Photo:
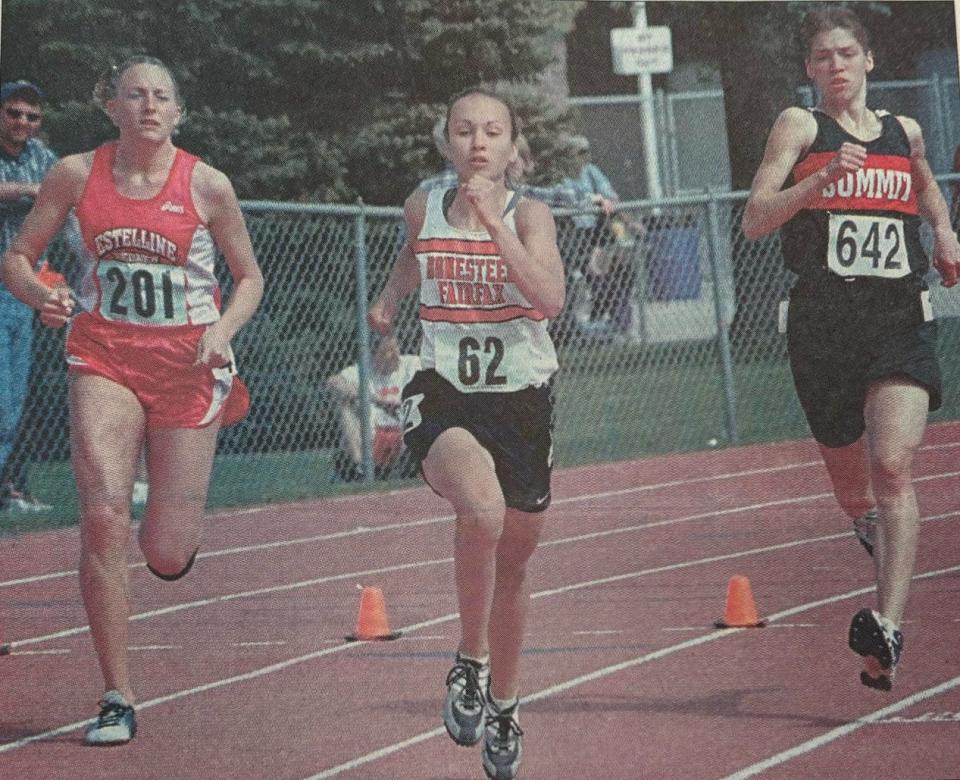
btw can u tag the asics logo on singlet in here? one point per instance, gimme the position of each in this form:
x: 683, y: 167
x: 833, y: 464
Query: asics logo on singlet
x: 174, y: 208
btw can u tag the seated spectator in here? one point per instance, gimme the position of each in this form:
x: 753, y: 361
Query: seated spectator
x: 389, y: 372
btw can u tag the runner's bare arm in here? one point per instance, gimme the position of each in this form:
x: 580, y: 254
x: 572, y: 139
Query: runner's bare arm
x: 218, y: 206
x: 405, y: 275
x: 932, y: 206
x: 537, y: 270
x: 769, y: 206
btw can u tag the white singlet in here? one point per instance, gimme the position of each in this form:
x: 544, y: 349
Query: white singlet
x: 479, y: 331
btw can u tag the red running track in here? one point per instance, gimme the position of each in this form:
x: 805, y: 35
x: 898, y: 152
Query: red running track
x: 242, y: 671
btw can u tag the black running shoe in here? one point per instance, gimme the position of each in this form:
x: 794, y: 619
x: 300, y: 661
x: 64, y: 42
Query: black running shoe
x: 874, y: 638
x: 865, y: 529
x: 116, y: 724
x: 463, y: 707
x: 502, y: 742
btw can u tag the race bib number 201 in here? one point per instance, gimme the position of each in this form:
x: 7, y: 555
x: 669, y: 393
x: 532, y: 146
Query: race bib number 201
x: 145, y: 293
x: 861, y: 245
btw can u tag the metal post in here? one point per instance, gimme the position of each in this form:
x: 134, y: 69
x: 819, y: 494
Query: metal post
x: 938, y: 102
x: 674, y: 155
x: 645, y: 88
x: 363, y: 337
x: 723, y: 340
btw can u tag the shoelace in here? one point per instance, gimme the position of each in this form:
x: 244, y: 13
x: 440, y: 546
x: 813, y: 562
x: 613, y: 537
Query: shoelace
x: 111, y: 713
x: 506, y: 727
x: 469, y: 676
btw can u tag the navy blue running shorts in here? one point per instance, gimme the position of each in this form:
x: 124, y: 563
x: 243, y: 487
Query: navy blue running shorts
x: 835, y: 357
x: 515, y: 428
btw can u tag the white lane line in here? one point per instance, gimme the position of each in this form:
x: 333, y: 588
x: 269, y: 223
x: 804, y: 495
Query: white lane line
x: 155, y: 647
x: 618, y: 667
x: 399, y: 567
x: 277, y: 667
x: 40, y: 652
x: 363, y: 529
x: 235, y: 596
x: 927, y: 717
x: 440, y: 561
x: 269, y: 643
x: 842, y: 731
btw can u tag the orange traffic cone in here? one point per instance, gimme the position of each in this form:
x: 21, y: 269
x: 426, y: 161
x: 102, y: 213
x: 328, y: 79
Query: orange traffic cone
x: 741, y: 611
x: 372, y: 620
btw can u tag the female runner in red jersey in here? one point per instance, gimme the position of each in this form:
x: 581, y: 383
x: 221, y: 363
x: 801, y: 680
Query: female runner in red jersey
x: 148, y: 352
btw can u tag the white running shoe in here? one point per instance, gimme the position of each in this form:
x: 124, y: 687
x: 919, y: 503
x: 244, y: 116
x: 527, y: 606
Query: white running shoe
x: 116, y: 724
x: 140, y: 491
x: 463, y: 707
x: 502, y: 742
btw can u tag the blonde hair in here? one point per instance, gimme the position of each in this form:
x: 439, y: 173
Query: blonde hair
x: 520, y: 168
x: 105, y: 89
x: 514, y: 120
x: 439, y: 137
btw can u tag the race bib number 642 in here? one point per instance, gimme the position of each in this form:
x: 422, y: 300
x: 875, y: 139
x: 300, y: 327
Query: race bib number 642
x: 861, y: 245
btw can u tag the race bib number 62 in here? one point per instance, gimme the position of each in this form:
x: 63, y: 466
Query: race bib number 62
x: 861, y: 245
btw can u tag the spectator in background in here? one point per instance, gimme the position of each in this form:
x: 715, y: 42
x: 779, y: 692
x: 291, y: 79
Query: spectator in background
x: 592, y: 232
x: 562, y: 195
x: 24, y: 161
x: 594, y: 182
x: 565, y: 194
x: 390, y: 371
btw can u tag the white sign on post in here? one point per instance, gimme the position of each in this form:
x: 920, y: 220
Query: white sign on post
x: 641, y: 50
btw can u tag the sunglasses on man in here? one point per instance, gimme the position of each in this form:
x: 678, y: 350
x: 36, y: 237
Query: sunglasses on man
x: 30, y: 116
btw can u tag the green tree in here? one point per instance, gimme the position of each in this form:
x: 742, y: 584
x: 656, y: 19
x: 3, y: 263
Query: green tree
x: 299, y: 99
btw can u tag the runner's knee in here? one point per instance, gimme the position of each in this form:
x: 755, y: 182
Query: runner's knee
x: 105, y: 526
x: 481, y: 520
x: 171, y: 567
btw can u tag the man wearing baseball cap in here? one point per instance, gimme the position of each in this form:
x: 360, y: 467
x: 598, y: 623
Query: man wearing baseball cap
x: 24, y: 161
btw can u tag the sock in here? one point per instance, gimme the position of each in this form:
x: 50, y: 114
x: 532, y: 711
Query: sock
x: 502, y: 705
x: 485, y: 661
x: 888, y: 624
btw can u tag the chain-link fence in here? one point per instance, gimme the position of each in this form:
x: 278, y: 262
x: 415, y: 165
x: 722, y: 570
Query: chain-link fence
x: 668, y: 342
x: 691, y: 131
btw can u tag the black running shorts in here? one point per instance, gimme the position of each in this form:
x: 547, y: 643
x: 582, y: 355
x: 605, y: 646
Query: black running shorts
x: 515, y: 428
x: 838, y: 349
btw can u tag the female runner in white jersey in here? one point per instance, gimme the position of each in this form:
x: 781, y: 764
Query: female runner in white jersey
x: 478, y: 416
x: 147, y: 351
x: 848, y: 186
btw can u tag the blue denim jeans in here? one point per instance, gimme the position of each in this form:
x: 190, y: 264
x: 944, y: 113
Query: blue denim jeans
x: 16, y: 336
